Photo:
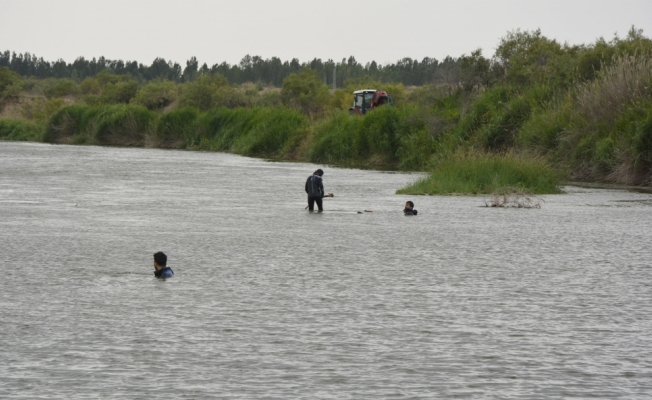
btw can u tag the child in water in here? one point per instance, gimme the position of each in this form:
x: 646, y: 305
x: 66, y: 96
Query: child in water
x: 409, y: 209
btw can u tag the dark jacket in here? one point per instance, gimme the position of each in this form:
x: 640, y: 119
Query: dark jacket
x: 315, y: 186
x: 409, y: 212
x: 165, y: 272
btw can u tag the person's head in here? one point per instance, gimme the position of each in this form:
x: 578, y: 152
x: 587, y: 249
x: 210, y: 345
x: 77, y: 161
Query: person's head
x: 409, y: 205
x: 160, y: 259
x: 319, y: 172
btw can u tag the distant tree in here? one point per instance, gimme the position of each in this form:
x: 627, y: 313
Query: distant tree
x: 160, y: 69
x: 108, y: 77
x: 523, y: 56
x: 10, y: 83
x: 7, y: 78
x: 90, y: 86
x: 306, y: 92
x: 156, y: 95
x: 120, y: 92
x: 474, y: 70
x: 62, y: 88
x: 270, y: 71
x: 201, y: 94
x: 190, y: 72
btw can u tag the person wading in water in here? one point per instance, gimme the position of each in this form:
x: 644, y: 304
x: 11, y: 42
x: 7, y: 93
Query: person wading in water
x: 315, y: 190
x: 409, y: 209
x: 161, y: 270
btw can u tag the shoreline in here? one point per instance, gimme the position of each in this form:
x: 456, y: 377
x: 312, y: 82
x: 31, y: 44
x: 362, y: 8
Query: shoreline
x: 582, y: 184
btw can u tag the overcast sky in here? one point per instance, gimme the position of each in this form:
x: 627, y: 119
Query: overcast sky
x: 381, y: 30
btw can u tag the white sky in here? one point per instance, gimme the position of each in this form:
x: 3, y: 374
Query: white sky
x: 381, y: 30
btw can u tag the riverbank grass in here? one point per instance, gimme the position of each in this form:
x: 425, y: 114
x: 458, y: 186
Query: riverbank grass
x: 15, y: 129
x: 486, y: 173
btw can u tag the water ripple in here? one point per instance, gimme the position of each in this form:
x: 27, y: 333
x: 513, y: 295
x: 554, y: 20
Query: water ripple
x: 272, y: 302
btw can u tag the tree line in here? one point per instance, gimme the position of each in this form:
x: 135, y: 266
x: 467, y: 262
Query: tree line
x: 521, y: 57
x: 271, y: 71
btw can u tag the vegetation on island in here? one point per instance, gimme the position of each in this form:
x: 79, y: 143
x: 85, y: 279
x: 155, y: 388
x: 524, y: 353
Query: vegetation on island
x: 534, y: 114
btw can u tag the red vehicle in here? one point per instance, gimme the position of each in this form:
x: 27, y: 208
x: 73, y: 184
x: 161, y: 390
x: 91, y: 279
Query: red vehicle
x: 368, y: 99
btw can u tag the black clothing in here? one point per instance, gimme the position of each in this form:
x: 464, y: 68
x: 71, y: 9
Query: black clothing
x: 315, y: 190
x: 315, y: 186
x: 407, y: 211
x: 165, y: 272
x: 311, y: 203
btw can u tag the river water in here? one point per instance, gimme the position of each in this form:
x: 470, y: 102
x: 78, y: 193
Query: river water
x: 270, y: 301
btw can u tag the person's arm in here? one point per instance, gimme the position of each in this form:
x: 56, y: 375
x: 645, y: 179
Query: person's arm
x: 307, y: 182
x: 321, y: 187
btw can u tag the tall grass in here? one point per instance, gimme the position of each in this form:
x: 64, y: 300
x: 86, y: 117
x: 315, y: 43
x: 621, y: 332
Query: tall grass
x: 486, y: 173
x: 483, y: 109
x: 124, y: 125
x: 252, y: 132
x: 385, y: 137
x: 544, y: 130
x: 604, y: 136
x: 626, y: 80
x: 269, y: 131
x: 495, y: 117
x: 117, y: 125
x: 177, y: 129
x: 335, y: 140
x: 14, y: 129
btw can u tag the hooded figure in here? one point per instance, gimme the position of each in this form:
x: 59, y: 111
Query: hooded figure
x: 315, y: 190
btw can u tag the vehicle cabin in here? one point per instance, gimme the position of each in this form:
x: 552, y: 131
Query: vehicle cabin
x: 368, y: 99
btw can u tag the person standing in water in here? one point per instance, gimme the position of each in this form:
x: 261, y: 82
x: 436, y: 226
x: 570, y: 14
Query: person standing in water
x: 315, y: 190
x: 409, y: 209
x: 161, y: 270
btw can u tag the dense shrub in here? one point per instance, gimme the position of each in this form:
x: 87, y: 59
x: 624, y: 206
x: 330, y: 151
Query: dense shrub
x: 120, y: 92
x: 334, y: 141
x: 643, y: 142
x: 65, y: 123
x: 500, y: 132
x: 306, y: 92
x: 40, y: 109
x: 156, y: 95
x: 255, y: 132
x: 90, y: 86
x: 123, y: 125
x: 61, y: 88
x: 177, y: 128
x: 543, y: 131
x: 268, y: 98
x: 202, y: 93
x: 10, y: 83
x: 117, y: 125
x: 385, y: 136
x: 12, y: 129
x: 484, y: 109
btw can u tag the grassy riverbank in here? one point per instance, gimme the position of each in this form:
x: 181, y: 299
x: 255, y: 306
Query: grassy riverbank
x: 16, y: 129
x: 535, y: 113
x: 388, y: 138
x: 486, y: 173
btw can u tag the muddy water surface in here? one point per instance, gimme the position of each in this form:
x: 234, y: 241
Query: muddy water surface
x: 270, y: 301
